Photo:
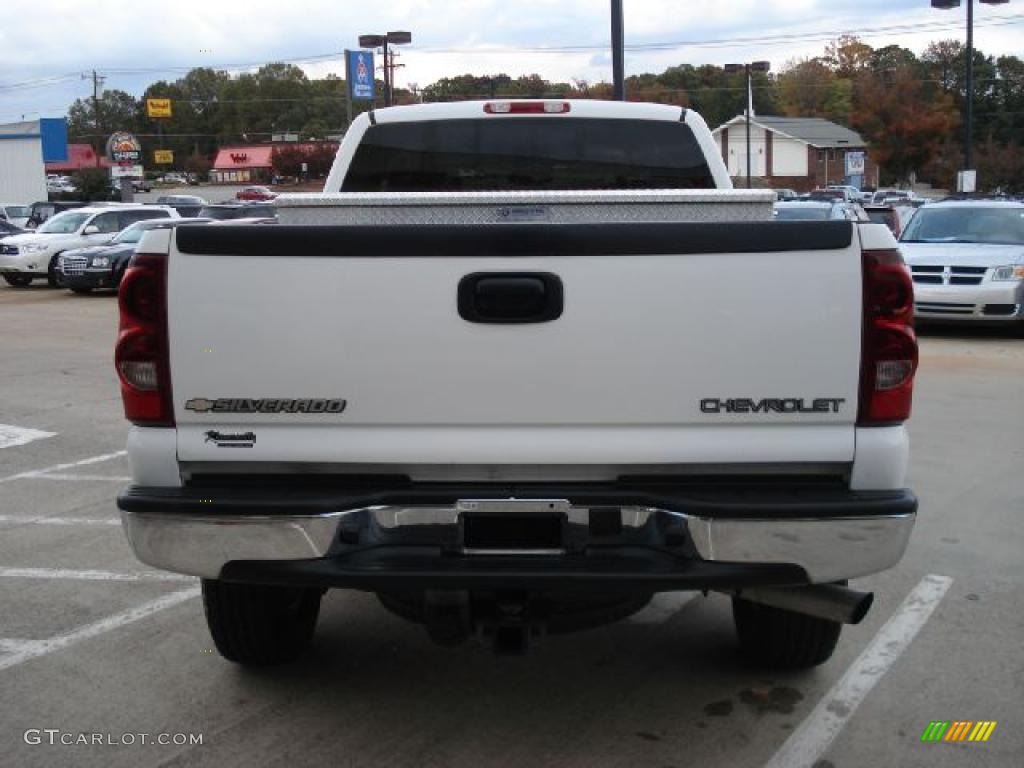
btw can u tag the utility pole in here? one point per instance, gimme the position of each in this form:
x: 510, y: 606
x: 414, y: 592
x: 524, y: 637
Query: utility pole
x: 618, y: 53
x: 97, y: 81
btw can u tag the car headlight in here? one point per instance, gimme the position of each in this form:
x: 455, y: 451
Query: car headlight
x: 101, y: 261
x: 1010, y: 272
x: 32, y: 248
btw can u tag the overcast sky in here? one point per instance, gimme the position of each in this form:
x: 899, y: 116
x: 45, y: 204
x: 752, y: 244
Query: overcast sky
x: 46, y: 47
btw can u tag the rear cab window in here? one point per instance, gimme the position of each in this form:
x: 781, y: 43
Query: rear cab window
x: 525, y: 153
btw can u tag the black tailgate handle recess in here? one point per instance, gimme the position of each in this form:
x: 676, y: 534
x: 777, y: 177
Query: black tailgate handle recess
x: 510, y: 297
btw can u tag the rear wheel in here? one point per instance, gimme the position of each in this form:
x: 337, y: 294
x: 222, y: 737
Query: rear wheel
x: 17, y: 280
x: 780, y: 639
x: 256, y: 625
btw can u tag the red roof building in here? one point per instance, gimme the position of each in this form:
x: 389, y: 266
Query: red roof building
x: 242, y: 164
x: 245, y: 164
x: 79, y: 156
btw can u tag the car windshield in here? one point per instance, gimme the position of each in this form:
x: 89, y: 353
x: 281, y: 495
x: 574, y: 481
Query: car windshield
x: 133, y: 233
x: 802, y: 213
x: 64, y: 223
x: 17, y: 211
x: 218, y: 213
x: 967, y: 224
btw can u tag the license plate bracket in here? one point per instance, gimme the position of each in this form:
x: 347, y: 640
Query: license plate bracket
x: 513, y: 526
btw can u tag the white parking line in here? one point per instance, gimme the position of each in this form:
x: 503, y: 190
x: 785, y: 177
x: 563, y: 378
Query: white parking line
x: 70, y: 575
x: 58, y: 467
x: 35, y: 649
x: 16, y: 645
x: 11, y: 435
x: 16, y: 520
x: 73, y: 478
x: 814, y: 735
x: 663, y: 606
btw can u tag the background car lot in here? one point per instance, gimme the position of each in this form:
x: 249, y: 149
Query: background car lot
x: 126, y: 650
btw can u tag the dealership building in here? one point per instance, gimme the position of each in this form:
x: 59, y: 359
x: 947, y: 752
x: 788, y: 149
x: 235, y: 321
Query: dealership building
x: 799, y: 153
x: 25, y: 148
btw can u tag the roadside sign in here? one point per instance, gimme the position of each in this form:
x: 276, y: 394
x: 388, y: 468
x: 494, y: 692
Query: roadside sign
x: 966, y: 181
x: 126, y: 171
x: 854, y: 163
x: 163, y: 156
x: 124, y: 149
x: 359, y: 72
x: 158, y: 107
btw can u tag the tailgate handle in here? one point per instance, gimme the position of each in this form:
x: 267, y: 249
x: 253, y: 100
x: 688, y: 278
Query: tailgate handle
x: 510, y: 297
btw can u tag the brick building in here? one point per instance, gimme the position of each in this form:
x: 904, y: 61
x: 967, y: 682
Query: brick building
x: 798, y: 153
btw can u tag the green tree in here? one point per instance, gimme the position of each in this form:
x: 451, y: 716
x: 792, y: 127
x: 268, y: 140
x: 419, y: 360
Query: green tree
x: 903, y: 128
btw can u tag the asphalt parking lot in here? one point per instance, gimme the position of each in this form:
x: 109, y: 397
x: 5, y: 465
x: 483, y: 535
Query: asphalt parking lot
x: 92, y: 642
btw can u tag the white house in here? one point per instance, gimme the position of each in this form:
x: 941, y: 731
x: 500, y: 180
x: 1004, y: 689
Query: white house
x: 796, y: 152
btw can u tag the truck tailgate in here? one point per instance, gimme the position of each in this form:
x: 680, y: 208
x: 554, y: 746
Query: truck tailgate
x: 682, y: 342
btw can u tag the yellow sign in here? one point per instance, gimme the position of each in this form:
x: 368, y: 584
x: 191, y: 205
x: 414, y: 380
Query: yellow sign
x: 158, y: 107
x: 163, y: 156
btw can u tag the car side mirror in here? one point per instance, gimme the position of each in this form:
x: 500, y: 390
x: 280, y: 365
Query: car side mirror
x: 92, y: 229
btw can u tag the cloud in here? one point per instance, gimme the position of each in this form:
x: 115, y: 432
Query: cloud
x: 163, y: 40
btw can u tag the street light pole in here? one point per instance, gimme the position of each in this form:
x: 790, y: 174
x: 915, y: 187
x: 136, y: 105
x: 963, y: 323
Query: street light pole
x: 746, y: 67
x: 618, y: 53
x: 946, y: 5
x: 756, y: 66
x: 382, y: 41
x: 968, y: 132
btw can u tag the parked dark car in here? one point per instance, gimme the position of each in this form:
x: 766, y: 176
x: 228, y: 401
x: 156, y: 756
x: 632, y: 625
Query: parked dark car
x: 222, y: 211
x: 44, y: 209
x: 102, y: 266
x: 185, y: 205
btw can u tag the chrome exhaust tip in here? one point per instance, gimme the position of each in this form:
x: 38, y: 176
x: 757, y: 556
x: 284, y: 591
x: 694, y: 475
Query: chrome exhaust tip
x: 833, y: 602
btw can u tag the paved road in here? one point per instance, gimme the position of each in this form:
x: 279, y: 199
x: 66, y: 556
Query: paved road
x: 91, y: 641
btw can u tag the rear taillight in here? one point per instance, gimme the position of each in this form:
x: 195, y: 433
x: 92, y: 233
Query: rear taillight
x: 527, y: 107
x: 889, y: 346
x: 142, y: 356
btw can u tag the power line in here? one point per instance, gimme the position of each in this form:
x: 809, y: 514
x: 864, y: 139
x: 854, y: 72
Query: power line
x: 779, y: 39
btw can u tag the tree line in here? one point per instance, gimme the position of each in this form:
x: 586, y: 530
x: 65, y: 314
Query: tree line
x: 907, y: 107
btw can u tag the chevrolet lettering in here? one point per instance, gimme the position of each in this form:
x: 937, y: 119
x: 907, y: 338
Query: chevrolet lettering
x: 772, y: 405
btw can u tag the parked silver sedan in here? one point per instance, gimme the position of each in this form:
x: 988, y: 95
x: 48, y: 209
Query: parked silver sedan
x: 967, y: 260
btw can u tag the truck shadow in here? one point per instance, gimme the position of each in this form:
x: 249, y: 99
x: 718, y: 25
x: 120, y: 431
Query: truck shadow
x: 624, y: 692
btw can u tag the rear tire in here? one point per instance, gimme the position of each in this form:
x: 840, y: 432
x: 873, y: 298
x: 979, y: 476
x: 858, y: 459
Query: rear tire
x: 17, y: 280
x: 255, y: 625
x: 779, y: 639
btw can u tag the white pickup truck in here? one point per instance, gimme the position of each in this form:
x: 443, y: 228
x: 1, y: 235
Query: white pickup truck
x: 522, y: 365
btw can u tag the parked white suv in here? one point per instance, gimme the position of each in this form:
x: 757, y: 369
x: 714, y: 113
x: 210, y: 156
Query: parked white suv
x: 26, y: 257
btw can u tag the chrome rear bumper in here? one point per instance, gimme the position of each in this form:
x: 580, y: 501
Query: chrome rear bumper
x: 826, y: 548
